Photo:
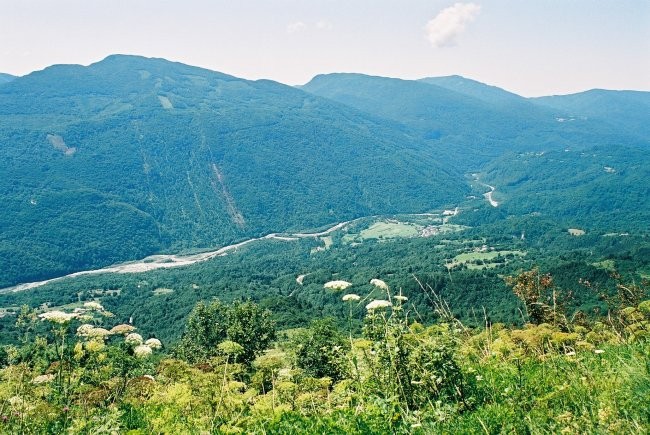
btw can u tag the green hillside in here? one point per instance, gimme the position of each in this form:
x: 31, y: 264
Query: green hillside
x: 481, y: 91
x: 595, y: 188
x: 132, y: 156
x: 468, y: 123
x: 626, y: 110
x: 6, y: 78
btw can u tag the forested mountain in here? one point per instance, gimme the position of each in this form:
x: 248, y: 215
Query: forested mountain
x: 131, y: 156
x: 466, y: 121
x: 595, y: 188
x: 449, y: 258
x: 490, y: 94
x: 6, y: 78
x: 625, y: 110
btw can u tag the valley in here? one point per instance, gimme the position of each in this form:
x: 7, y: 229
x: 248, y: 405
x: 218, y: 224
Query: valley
x: 443, y: 240
x: 379, y: 228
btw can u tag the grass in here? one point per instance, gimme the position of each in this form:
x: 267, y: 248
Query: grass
x: 384, y: 230
x: 486, y: 257
x: 389, y: 230
x: 608, y: 265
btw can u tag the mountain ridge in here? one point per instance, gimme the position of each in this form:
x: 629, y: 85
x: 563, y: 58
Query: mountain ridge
x: 132, y: 156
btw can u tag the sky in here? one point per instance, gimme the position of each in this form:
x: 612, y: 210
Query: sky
x: 530, y: 47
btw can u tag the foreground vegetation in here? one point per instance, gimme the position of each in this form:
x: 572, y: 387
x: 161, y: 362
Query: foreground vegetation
x: 231, y: 372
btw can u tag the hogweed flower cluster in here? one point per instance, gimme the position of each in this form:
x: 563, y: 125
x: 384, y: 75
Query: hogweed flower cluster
x: 142, y: 351
x: 153, y: 343
x: 93, y: 306
x: 122, y: 329
x: 133, y: 339
x: 351, y: 297
x: 378, y: 303
x: 379, y: 284
x: 57, y: 316
x: 43, y: 379
x: 337, y: 285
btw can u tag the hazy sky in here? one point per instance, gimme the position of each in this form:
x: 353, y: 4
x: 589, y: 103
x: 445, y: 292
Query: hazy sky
x: 531, y: 47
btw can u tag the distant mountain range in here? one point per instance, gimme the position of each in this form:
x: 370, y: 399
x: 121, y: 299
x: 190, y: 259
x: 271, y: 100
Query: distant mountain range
x: 132, y: 156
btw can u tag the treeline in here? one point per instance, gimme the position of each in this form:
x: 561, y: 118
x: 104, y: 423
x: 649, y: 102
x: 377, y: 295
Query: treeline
x: 267, y: 272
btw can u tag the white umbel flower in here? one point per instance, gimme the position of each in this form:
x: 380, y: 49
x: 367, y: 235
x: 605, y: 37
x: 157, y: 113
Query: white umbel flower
x: 133, y: 339
x: 84, y: 330
x: 401, y: 298
x: 153, y: 343
x: 99, y: 333
x: 42, y: 379
x: 57, y: 316
x: 378, y: 304
x: 142, y: 351
x: 351, y: 297
x: 92, y: 305
x: 337, y: 285
x: 379, y: 284
x: 122, y: 329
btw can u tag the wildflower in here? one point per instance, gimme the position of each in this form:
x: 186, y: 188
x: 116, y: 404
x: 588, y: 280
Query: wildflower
x: 57, y: 316
x: 16, y: 401
x: 94, y: 345
x: 153, y: 343
x: 337, y: 285
x: 133, y: 339
x: 351, y: 297
x: 401, y: 298
x: 599, y: 351
x: 42, y: 379
x: 92, y: 305
x: 378, y: 304
x: 572, y: 353
x: 379, y: 284
x: 142, y: 351
x: 99, y: 333
x: 84, y: 330
x: 78, y: 351
x: 122, y: 329
x: 479, y: 378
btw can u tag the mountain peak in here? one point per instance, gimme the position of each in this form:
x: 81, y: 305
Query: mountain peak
x: 475, y: 89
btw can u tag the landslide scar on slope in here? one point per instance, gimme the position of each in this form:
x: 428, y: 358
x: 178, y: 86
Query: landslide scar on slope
x: 234, y: 213
x: 57, y: 142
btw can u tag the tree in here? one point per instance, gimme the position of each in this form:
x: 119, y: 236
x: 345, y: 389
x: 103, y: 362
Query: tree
x: 208, y: 325
x: 321, y: 350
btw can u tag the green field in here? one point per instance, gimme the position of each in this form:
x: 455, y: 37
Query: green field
x: 389, y: 230
x: 487, y: 258
x: 384, y: 230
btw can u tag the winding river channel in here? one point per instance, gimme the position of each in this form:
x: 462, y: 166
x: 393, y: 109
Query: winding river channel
x: 165, y: 261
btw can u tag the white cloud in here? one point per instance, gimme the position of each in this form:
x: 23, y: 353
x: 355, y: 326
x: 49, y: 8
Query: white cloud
x: 298, y: 26
x: 450, y: 23
x: 323, y: 25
